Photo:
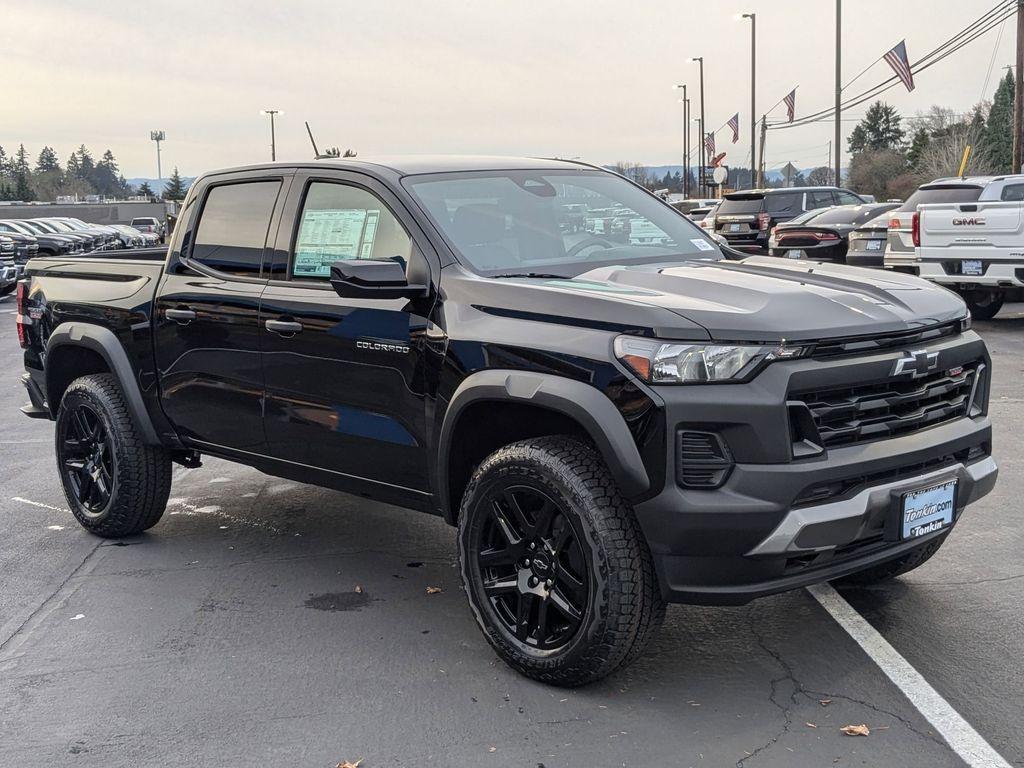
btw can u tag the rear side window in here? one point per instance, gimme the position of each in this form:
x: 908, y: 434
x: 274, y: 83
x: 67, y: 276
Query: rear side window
x: 233, y: 227
x: 784, y: 202
x: 735, y: 205
x: 820, y: 199
x: 953, y: 194
x: 1012, y: 193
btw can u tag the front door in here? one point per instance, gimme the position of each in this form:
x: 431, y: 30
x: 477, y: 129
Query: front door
x: 347, y: 380
x: 207, y: 318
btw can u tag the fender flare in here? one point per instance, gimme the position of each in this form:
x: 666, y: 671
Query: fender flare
x: 588, y: 406
x: 103, y: 341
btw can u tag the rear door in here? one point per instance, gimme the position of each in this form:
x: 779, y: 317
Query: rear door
x: 207, y: 334
x: 349, y: 381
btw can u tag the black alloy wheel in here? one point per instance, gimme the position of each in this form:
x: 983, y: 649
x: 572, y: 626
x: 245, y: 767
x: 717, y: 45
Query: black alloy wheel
x: 88, y: 459
x: 534, y: 570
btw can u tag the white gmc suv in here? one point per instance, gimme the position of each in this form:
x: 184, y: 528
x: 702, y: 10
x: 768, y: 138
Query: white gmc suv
x: 966, y: 234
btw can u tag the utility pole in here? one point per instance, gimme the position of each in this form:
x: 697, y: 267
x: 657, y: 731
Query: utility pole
x: 753, y: 86
x: 829, y: 156
x: 686, y: 142
x: 837, y: 144
x: 1018, y: 90
x: 273, y: 142
x: 760, y: 162
x: 703, y: 163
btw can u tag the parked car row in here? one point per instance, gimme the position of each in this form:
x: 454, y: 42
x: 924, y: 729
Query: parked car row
x: 964, y: 233
x: 21, y: 239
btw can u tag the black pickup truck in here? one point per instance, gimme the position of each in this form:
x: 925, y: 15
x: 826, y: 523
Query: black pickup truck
x: 614, y: 412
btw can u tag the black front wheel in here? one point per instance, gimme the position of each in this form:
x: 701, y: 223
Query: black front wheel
x: 983, y: 305
x: 115, y: 484
x: 555, y: 566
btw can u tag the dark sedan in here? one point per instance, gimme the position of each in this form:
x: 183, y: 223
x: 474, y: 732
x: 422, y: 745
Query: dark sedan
x: 867, y: 243
x: 823, y: 234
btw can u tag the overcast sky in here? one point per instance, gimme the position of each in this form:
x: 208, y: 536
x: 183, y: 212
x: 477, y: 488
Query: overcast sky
x: 587, y: 78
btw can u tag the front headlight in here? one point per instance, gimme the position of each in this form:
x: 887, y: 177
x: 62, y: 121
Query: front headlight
x: 680, y: 362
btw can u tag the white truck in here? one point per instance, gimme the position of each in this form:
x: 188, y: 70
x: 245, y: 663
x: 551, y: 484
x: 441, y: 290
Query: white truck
x: 966, y: 234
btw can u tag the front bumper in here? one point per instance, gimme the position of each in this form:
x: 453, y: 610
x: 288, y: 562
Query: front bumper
x: 761, y: 532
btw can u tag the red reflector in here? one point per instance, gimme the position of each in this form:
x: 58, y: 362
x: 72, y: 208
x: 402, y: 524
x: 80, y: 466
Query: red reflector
x: 763, y: 219
x: 894, y: 223
x: 915, y: 229
x: 20, y: 321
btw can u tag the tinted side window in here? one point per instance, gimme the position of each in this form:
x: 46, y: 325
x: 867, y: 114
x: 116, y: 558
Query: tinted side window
x: 785, y: 202
x: 340, y: 221
x: 233, y: 227
x: 821, y: 199
x: 848, y: 198
x: 1012, y: 193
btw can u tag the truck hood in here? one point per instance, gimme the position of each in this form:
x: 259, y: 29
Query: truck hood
x: 769, y: 299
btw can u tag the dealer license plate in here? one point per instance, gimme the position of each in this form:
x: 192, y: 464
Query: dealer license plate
x: 927, y: 510
x: 873, y: 245
x: 734, y: 227
x: 795, y: 254
x: 970, y: 267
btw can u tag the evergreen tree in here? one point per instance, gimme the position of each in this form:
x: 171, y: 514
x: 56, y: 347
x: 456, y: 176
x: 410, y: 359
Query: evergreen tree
x: 6, y: 191
x: 47, y: 161
x: 917, y: 146
x: 880, y: 129
x: 998, y: 135
x: 145, y: 189
x: 105, y: 175
x: 86, y: 165
x: 22, y: 175
x: 175, y: 188
x: 73, y: 169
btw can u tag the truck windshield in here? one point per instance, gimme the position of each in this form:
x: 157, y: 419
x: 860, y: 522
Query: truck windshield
x: 554, y: 222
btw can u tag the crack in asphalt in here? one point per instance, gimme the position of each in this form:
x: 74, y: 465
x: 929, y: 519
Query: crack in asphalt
x: 56, y: 591
x: 798, y: 689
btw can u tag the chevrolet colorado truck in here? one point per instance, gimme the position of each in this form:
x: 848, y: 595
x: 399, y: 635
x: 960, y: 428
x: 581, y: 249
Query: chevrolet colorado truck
x: 611, y: 424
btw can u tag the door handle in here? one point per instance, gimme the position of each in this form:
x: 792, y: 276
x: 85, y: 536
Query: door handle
x: 180, y: 316
x: 283, y: 327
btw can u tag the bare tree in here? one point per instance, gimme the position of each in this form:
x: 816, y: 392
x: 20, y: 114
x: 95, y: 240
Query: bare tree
x: 943, y: 154
x: 820, y: 176
x: 635, y: 172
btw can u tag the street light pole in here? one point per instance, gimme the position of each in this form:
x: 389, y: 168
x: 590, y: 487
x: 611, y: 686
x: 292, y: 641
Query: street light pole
x: 686, y: 142
x: 703, y: 163
x: 837, y: 146
x: 753, y: 89
x: 273, y: 143
x: 1018, y: 90
x: 158, y: 136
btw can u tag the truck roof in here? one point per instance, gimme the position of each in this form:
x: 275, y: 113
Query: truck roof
x: 980, y: 181
x: 405, y: 165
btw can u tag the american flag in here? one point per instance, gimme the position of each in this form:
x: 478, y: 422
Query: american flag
x: 734, y: 123
x: 791, y: 104
x: 709, y: 145
x: 897, y: 58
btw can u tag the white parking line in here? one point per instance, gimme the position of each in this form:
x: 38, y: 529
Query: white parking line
x: 958, y: 733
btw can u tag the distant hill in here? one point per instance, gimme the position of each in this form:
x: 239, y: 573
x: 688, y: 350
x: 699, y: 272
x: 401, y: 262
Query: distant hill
x: 660, y: 170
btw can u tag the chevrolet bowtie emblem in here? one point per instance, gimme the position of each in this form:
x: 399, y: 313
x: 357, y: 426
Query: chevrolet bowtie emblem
x: 916, y: 364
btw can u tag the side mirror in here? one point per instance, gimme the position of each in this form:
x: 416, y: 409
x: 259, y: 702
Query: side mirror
x: 372, y: 279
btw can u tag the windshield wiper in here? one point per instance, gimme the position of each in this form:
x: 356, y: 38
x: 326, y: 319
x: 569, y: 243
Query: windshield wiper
x: 534, y: 274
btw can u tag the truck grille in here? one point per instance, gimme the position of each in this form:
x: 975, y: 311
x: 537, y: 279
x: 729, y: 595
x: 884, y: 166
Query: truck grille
x: 857, y: 414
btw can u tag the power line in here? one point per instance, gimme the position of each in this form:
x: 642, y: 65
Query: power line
x: 983, y: 24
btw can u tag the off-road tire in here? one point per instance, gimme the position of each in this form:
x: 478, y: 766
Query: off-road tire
x: 625, y: 605
x: 893, y: 568
x: 983, y: 305
x: 141, y: 473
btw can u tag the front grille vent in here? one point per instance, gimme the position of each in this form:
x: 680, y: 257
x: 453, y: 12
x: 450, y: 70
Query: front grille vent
x: 702, y: 459
x: 864, y: 412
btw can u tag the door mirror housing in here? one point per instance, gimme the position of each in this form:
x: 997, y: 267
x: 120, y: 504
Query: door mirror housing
x: 372, y: 279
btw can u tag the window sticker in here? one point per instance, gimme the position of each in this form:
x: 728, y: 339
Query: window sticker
x: 328, y: 235
x: 702, y: 245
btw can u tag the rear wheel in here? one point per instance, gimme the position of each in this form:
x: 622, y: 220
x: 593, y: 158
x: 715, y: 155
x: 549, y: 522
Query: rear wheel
x: 555, y: 566
x: 114, y: 483
x: 8, y: 289
x: 984, y: 305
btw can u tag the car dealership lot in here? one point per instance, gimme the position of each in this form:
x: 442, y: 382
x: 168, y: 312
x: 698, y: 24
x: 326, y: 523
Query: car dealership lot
x: 265, y: 622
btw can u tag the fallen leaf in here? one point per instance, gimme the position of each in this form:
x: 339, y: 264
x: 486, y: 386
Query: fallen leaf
x: 77, y: 616
x: 492, y: 749
x: 810, y: 725
x: 825, y: 702
x: 347, y: 764
x: 359, y: 589
x: 856, y: 730
x: 434, y: 591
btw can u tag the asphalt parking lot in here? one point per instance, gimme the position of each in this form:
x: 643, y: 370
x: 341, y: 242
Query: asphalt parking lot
x: 265, y: 623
